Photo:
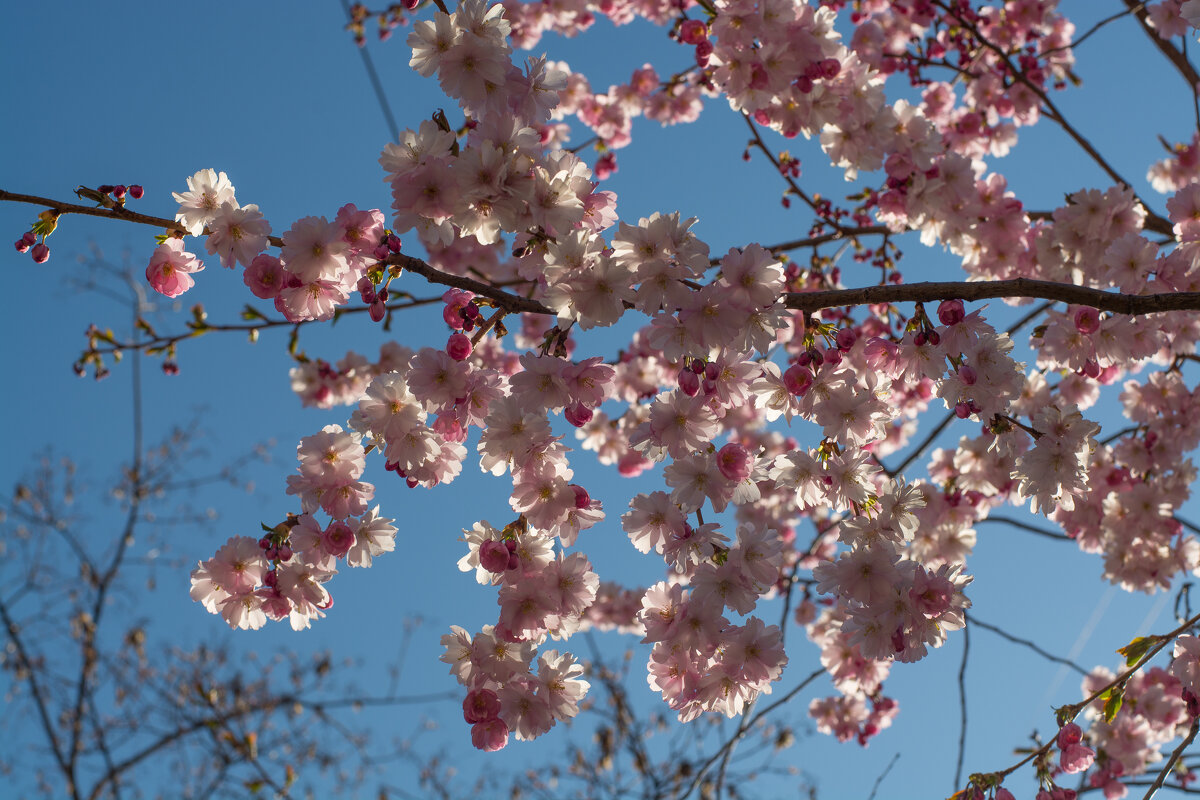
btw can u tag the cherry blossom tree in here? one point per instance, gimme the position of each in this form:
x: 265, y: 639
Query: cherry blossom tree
x: 760, y: 397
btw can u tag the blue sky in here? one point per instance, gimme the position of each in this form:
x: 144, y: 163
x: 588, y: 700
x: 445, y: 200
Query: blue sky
x: 150, y: 93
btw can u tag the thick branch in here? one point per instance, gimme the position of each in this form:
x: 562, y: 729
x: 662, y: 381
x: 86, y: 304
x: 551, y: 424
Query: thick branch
x: 985, y: 290
x: 800, y: 301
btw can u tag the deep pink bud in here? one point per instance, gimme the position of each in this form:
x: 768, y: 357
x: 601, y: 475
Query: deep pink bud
x: 735, y: 462
x: 712, y: 371
x: 962, y: 410
x: 21, y: 245
x: 480, y: 705
x: 606, y: 165
x: 934, y: 338
x: 797, y: 379
x: 264, y: 543
x: 378, y: 310
x: 459, y: 346
x: 689, y: 382
x: 951, y: 312
x: 118, y: 191
x: 968, y: 375
x: 470, y: 311
x: 136, y: 191
x: 393, y: 243
x: 1069, y: 734
x: 846, y: 338
x: 693, y: 31
x: 270, y: 578
x: 41, y: 253
x: 577, y: 414
x: 582, y: 498
x: 514, y: 561
x: 285, y: 552
x: 381, y: 251
x: 1087, y: 320
x: 29, y: 238
x: 493, y: 556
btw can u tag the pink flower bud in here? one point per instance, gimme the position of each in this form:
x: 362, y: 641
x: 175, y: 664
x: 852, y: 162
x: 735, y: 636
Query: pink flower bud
x: 962, y: 410
x: 393, y: 243
x: 493, y: 556
x: 735, y: 462
x: 21, y: 245
x: 459, y: 346
x: 118, y: 191
x: 480, y: 705
x: 582, y: 498
x: 136, y: 191
x: 689, y: 382
x: 1087, y: 320
x: 951, y: 312
x: 846, y: 338
x: 712, y: 371
x: 41, y: 253
x: 693, y: 31
x: 378, y: 310
x: 491, y: 735
x: 968, y: 375
x: 1069, y: 734
x: 797, y: 379
x: 577, y: 414
x: 606, y: 165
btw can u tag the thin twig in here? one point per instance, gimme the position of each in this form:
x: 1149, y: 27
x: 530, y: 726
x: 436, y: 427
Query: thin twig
x: 1003, y: 634
x: 1166, y: 770
x: 962, y: 701
x: 1025, y: 526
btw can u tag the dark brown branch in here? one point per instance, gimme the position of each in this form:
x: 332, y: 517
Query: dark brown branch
x: 985, y: 290
x: 800, y: 301
x: 509, y: 302
x: 1173, y: 53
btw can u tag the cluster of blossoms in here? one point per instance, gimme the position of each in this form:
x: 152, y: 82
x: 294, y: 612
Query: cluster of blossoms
x: 722, y: 353
x: 282, y: 575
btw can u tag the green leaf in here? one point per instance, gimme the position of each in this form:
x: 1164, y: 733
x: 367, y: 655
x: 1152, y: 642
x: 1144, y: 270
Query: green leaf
x: 1135, y: 650
x: 1113, y: 704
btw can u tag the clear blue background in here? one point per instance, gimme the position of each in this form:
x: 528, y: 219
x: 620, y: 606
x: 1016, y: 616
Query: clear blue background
x: 275, y: 95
